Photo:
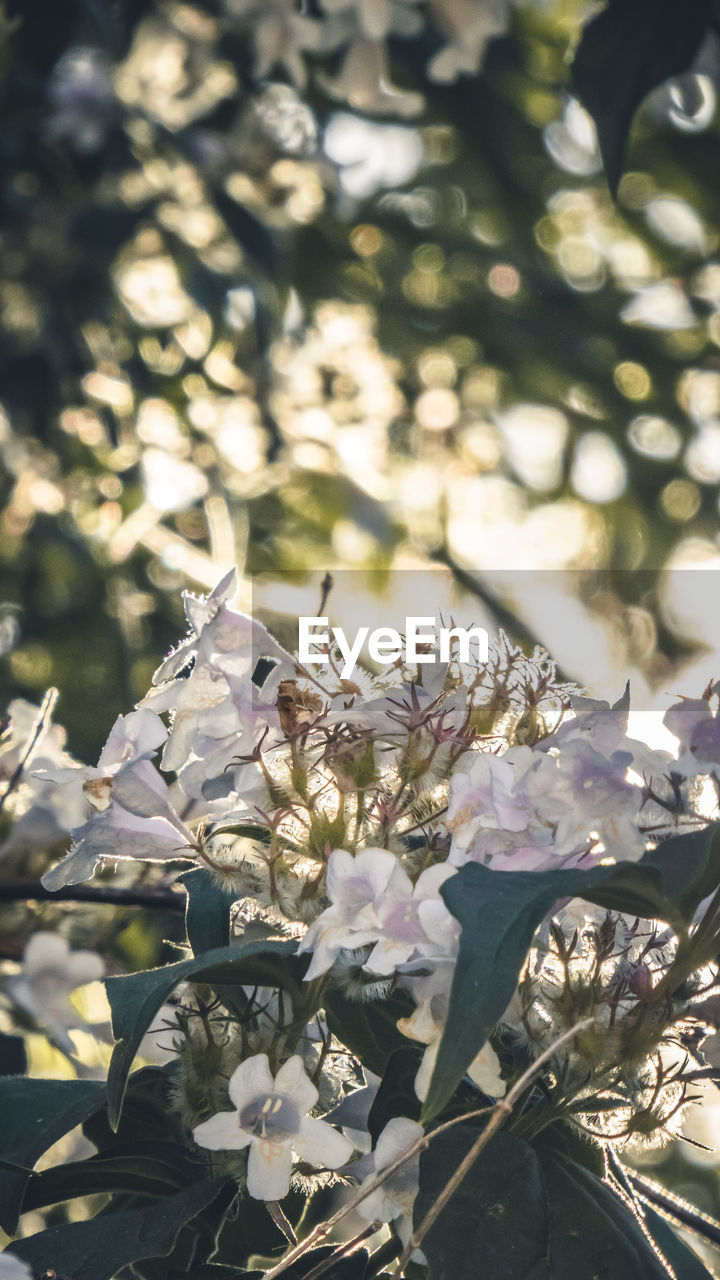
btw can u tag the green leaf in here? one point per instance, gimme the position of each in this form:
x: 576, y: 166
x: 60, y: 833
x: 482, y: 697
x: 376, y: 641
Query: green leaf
x: 499, y: 912
x: 668, y: 882
x: 369, y: 1028
x: 207, y: 915
x: 252, y: 234
x: 628, y: 49
x: 148, y: 1170
x: 684, y: 1262
x: 146, y: 1117
x: 99, y: 1248
x: 135, y: 998
x: 13, y: 1058
x: 214, y: 1271
x: 35, y: 1113
x: 528, y: 1214
x: 396, y: 1095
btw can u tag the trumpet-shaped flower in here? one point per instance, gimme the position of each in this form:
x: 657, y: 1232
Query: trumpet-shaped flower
x: 270, y: 1117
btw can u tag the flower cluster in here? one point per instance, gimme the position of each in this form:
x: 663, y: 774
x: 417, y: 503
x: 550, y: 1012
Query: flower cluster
x: 335, y: 813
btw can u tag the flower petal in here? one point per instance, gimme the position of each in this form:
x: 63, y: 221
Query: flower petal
x: 321, y: 1145
x: 45, y: 950
x: 251, y: 1079
x: 221, y: 1133
x: 269, y: 1169
x: 292, y: 1082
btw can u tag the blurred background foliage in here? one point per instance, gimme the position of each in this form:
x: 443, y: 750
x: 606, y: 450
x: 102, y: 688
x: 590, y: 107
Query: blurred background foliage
x: 341, y: 284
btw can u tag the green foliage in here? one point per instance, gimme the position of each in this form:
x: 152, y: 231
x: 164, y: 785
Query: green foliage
x: 135, y: 998
x: 629, y: 48
x: 35, y: 1113
x: 500, y: 910
x: 528, y: 1214
x: 207, y: 915
x: 396, y: 1095
x: 368, y: 1028
x: 99, y: 1248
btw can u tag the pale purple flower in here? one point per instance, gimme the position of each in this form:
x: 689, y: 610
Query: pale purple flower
x: 426, y: 1025
x: 12, y: 1268
x: 134, y: 812
x: 218, y: 713
x: 41, y: 812
x: 374, y: 902
x: 693, y: 722
x: 270, y: 1117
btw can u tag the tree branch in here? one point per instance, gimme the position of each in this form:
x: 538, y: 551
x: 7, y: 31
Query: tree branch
x: 30, y: 891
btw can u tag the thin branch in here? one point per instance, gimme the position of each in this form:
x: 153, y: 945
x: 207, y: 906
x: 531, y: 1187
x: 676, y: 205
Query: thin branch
x: 44, y: 716
x: 30, y: 891
x: 343, y: 1250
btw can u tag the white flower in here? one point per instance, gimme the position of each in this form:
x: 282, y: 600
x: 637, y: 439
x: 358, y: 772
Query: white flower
x: 134, y: 814
x: 693, y: 722
x: 468, y: 28
x: 395, y: 1198
x: 50, y: 971
x: 426, y: 1024
x: 374, y: 901
x: 12, y: 1268
x: 270, y: 1117
x: 41, y: 812
x: 218, y: 712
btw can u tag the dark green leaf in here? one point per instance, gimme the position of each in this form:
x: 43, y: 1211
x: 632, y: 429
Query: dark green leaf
x: 207, y: 916
x: 669, y: 882
x: 628, y: 49
x: 13, y: 1059
x: 499, y: 912
x: 146, y: 1116
x: 135, y: 998
x: 99, y: 1248
x: 528, y: 1214
x: 150, y: 1171
x: 684, y: 1262
x: 396, y: 1095
x: 251, y: 233
x: 214, y: 1271
x: 369, y: 1028
x: 35, y: 1113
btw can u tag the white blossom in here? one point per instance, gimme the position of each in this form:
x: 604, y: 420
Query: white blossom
x: 134, y: 815
x: 374, y: 902
x: 393, y: 1201
x: 270, y: 1117
x: 218, y: 714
